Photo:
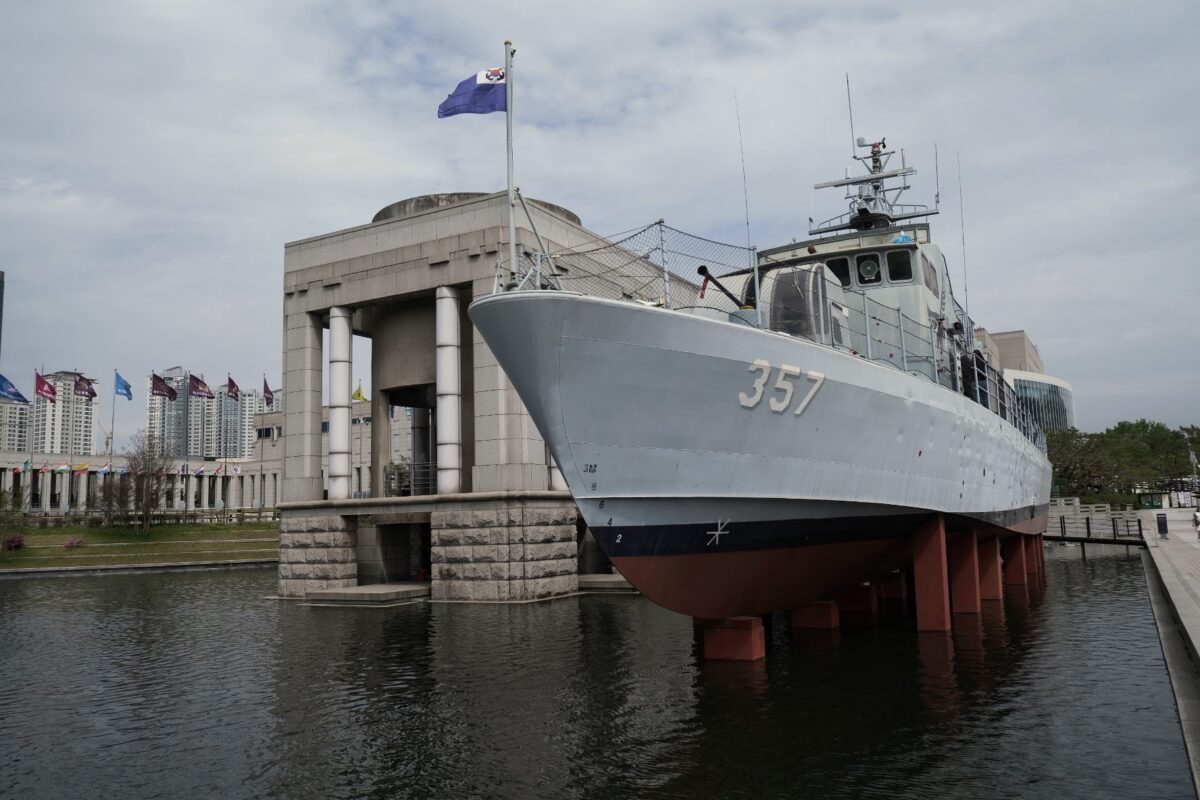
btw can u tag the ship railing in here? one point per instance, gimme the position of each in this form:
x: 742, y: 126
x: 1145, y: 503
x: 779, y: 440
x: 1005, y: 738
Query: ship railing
x: 657, y: 265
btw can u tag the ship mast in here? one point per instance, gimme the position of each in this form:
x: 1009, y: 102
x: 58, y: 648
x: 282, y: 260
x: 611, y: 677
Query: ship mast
x: 873, y: 203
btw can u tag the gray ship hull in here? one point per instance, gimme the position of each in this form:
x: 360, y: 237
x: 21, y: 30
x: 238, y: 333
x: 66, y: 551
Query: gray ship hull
x: 728, y: 470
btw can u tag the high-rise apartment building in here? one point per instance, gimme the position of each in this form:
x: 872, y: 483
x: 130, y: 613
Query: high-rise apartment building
x: 14, y: 426
x: 66, y: 425
x: 202, y: 427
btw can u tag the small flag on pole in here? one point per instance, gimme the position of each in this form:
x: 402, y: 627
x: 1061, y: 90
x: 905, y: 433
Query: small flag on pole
x: 84, y: 388
x: 198, y: 388
x: 482, y: 93
x: 107, y: 468
x: 219, y: 469
x: 200, y: 470
x: 81, y: 469
x: 160, y: 388
x: 358, y: 396
x: 121, y: 386
x: 183, y: 469
x: 268, y: 395
x: 44, y: 388
x: 231, y: 389
x: 45, y: 467
x: 237, y: 469
x: 63, y: 468
x: 9, y: 392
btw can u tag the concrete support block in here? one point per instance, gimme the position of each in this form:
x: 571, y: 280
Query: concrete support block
x: 932, y: 577
x: 821, y: 615
x: 316, y: 552
x: 735, y: 639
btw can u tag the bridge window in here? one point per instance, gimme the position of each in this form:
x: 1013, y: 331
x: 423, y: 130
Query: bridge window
x: 868, y: 269
x: 841, y: 268
x: 899, y: 263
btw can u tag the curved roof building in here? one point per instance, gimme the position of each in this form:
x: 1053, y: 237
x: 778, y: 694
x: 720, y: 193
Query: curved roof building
x: 1051, y: 400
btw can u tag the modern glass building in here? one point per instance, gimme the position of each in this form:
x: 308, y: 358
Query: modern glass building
x: 1050, y: 400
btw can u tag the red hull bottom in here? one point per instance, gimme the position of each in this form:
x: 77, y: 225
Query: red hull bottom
x: 754, y: 582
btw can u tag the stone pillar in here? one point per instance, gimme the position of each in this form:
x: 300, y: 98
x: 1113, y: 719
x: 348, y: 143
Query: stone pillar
x: 6, y: 480
x: 302, y: 407
x: 235, y: 491
x: 316, y: 552
x: 963, y: 556
x: 81, y: 492
x: 45, y: 478
x: 189, y: 487
x: 991, y: 577
x: 449, y: 392
x: 219, y: 487
x: 381, y: 434
x: 521, y: 549
x: 932, y: 579
x: 203, y: 491
x: 340, y: 389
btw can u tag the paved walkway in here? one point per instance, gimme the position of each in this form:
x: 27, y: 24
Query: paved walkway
x: 1177, y: 611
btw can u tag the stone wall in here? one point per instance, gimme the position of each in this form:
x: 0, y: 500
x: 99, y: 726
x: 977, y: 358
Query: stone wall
x: 522, y: 550
x: 316, y: 552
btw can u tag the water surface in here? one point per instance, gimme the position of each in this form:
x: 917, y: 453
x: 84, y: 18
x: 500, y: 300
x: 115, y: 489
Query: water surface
x: 170, y: 685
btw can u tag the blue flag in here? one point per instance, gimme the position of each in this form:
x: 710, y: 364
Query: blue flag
x: 121, y: 386
x: 482, y: 93
x: 9, y: 392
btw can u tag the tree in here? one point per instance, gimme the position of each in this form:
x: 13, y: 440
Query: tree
x: 148, y: 468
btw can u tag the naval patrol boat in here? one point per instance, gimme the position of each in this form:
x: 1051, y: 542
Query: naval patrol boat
x: 752, y: 441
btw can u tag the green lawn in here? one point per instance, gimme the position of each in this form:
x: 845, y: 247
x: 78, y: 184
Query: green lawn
x: 165, y: 544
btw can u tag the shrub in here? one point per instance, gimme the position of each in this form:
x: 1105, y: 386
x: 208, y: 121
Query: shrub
x: 72, y: 543
x: 14, y: 542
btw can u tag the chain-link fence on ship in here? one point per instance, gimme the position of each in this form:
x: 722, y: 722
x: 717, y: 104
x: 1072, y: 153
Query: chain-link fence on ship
x: 658, y: 265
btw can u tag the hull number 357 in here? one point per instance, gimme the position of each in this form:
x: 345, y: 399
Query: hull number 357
x: 783, y: 385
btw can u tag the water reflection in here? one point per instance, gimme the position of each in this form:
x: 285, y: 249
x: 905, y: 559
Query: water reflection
x: 178, y: 685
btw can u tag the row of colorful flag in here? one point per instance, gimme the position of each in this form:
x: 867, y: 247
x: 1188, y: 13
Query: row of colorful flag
x: 84, y: 387
x: 79, y: 469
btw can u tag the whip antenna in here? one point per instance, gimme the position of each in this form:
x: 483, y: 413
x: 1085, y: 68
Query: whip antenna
x: 850, y: 108
x: 962, y: 229
x: 746, y: 203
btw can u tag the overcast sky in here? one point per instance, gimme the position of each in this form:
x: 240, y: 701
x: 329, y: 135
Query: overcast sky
x: 156, y: 156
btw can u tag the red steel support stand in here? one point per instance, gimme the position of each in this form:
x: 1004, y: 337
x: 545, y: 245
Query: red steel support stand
x: 823, y: 615
x: 963, y: 553
x: 734, y: 639
x: 1032, y: 567
x: 1014, y: 561
x: 932, y: 577
x: 991, y: 578
x: 893, y: 592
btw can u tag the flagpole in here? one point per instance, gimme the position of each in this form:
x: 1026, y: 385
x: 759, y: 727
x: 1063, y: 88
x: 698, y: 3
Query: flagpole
x: 508, y: 115
x: 112, y: 423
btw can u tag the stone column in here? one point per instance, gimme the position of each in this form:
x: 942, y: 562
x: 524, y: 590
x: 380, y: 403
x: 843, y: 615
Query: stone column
x: 340, y: 378
x: 449, y: 392
x: 219, y: 489
x: 302, y: 407
x: 45, y: 490
x: 81, y: 492
x: 6, y: 479
x: 189, y: 488
x: 203, y: 491
x: 420, y: 452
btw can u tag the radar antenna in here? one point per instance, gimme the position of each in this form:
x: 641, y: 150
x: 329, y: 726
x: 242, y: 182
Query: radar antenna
x: 873, y: 203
